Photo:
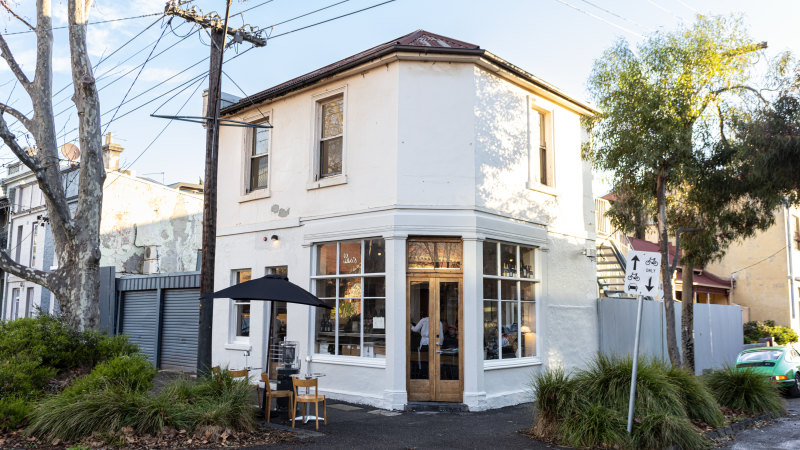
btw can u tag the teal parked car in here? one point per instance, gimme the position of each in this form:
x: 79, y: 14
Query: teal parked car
x: 780, y: 364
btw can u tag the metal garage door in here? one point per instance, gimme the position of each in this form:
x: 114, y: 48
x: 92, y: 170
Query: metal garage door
x: 181, y: 313
x: 140, y: 320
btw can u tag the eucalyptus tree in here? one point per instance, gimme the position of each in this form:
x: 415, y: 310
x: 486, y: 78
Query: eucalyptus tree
x: 665, y: 110
x: 75, y: 282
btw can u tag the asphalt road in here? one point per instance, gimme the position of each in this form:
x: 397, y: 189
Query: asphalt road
x: 784, y: 434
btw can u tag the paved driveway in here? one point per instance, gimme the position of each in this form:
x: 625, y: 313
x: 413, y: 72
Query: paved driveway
x: 354, y: 426
x: 784, y: 434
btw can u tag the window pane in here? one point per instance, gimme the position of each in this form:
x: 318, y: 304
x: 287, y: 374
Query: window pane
x: 508, y: 260
x: 326, y: 288
x: 510, y: 324
x: 374, y: 287
x: 374, y: 256
x: 526, y: 265
x: 326, y: 329
x: 330, y: 158
x: 350, y: 257
x: 489, y: 289
x: 490, y: 338
x: 241, y: 276
x: 420, y: 254
x: 528, y: 329
x: 508, y: 290
x: 375, y: 328
x: 490, y: 258
x: 277, y: 270
x: 448, y: 255
x: 326, y: 259
x: 332, y: 118
x: 349, y: 287
x: 528, y: 292
x: 243, y: 319
x: 542, y: 135
x: 543, y: 165
x: 260, y: 141
x: 350, y: 327
x: 259, y: 171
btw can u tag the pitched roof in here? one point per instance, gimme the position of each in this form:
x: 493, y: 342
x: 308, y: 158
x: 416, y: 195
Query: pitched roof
x: 418, y: 41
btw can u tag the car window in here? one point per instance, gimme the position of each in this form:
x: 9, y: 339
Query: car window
x: 760, y: 355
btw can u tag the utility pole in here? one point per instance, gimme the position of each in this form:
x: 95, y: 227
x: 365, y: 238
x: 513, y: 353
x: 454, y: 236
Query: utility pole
x: 218, y: 29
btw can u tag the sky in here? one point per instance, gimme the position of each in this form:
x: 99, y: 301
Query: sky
x: 556, y: 40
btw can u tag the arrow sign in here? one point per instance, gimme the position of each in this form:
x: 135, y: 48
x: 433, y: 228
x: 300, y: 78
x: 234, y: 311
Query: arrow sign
x: 641, y: 268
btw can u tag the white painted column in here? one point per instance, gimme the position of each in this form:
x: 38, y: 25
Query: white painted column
x: 395, y: 395
x: 472, y: 328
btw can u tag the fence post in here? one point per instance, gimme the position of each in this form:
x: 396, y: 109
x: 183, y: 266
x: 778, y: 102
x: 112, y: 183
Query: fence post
x: 108, y: 295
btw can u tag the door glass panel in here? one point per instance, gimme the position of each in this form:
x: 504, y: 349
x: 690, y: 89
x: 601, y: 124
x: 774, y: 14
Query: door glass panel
x: 420, y: 334
x: 449, y: 329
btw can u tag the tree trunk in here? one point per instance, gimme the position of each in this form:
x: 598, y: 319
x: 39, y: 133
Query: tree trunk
x: 666, y: 272
x: 687, y: 316
x: 76, y: 237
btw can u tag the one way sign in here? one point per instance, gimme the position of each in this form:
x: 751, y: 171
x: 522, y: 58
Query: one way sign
x: 643, y: 274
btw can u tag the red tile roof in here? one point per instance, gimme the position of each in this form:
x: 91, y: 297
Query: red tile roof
x: 418, y: 41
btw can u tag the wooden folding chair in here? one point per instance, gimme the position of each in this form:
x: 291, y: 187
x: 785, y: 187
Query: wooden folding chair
x: 314, y: 398
x: 273, y: 394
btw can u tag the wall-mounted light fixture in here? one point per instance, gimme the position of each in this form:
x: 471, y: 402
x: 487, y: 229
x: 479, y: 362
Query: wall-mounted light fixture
x: 274, y: 238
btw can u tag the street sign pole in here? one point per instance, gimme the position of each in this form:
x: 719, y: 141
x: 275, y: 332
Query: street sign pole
x: 635, y: 363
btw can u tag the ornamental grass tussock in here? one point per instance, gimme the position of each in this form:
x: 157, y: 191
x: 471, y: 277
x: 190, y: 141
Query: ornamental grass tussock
x: 589, y: 407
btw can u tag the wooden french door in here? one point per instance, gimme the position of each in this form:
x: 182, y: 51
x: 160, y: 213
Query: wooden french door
x: 434, y: 363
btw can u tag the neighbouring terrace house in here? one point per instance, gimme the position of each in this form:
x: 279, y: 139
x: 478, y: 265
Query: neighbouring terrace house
x: 145, y: 228
x: 435, y: 196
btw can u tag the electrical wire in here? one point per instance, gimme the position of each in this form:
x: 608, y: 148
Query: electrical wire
x: 103, y: 59
x: 633, y: 22
x: 163, y: 31
x: 308, y: 13
x: 334, y: 18
x: 88, y: 23
x: 627, y: 30
x: 759, y: 261
x: 245, y: 94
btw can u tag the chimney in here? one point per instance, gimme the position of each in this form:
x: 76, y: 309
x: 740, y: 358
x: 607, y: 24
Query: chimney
x: 111, y: 153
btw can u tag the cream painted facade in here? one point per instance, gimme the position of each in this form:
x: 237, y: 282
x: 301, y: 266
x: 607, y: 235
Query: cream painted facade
x: 766, y: 270
x: 434, y: 145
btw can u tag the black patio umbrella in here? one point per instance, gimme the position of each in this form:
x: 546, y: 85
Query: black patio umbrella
x: 270, y: 287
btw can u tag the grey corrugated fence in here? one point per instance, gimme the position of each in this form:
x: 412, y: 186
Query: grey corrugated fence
x: 717, y: 339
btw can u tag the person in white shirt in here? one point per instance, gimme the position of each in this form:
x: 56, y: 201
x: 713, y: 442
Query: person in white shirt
x: 422, y: 327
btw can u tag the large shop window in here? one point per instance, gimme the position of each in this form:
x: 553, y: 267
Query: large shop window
x: 350, y: 276
x: 509, y: 301
x: 241, y: 309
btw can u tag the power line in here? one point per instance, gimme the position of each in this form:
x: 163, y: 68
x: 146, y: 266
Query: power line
x: 617, y: 15
x: 665, y: 9
x: 308, y: 13
x: 125, y: 44
x: 334, y: 18
x: 88, y: 23
x: 687, y: 6
x: 759, y: 261
x: 628, y: 30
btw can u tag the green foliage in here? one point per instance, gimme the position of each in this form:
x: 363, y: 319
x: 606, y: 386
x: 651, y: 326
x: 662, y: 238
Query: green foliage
x: 746, y: 390
x: 660, y: 430
x: 116, y: 395
x: 33, y: 350
x: 753, y: 331
x: 590, y: 408
x: 133, y: 372
x: 14, y: 412
x: 697, y: 400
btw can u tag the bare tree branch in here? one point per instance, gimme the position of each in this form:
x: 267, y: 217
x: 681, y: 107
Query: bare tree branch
x: 12, y: 63
x: 33, y: 163
x: 37, y: 276
x: 5, y: 5
x: 22, y: 118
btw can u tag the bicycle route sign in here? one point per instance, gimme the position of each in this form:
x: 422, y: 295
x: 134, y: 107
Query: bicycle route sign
x: 643, y: 274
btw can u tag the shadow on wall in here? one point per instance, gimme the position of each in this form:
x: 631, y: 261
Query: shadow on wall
x: 163, y: 246
x: 501, y: 113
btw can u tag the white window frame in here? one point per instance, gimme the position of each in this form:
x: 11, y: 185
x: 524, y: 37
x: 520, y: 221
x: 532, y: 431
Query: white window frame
x: 233, y: 337
x: 534, y: 149
x: 32, y: 256
x: 15, y: 292
x: 315, y: 179
x: 519, y: 360
x: 245, y: 194
x: 29, y: 301
x: 361, y: 274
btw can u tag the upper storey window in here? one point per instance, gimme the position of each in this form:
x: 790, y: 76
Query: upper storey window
x: 259, y: 159
x: 331, y: 136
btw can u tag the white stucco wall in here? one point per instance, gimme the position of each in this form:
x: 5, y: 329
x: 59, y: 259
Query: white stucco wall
x: 433, y: 149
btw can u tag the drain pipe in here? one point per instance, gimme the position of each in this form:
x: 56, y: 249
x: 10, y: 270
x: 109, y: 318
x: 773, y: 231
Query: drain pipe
x: 789, y: 257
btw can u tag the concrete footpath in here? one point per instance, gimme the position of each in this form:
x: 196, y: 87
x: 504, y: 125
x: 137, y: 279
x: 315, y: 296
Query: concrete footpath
x: 356, y: 426
x: 783, y: 434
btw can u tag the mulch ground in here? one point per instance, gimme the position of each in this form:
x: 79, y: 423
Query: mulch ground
x: 210, y: 437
